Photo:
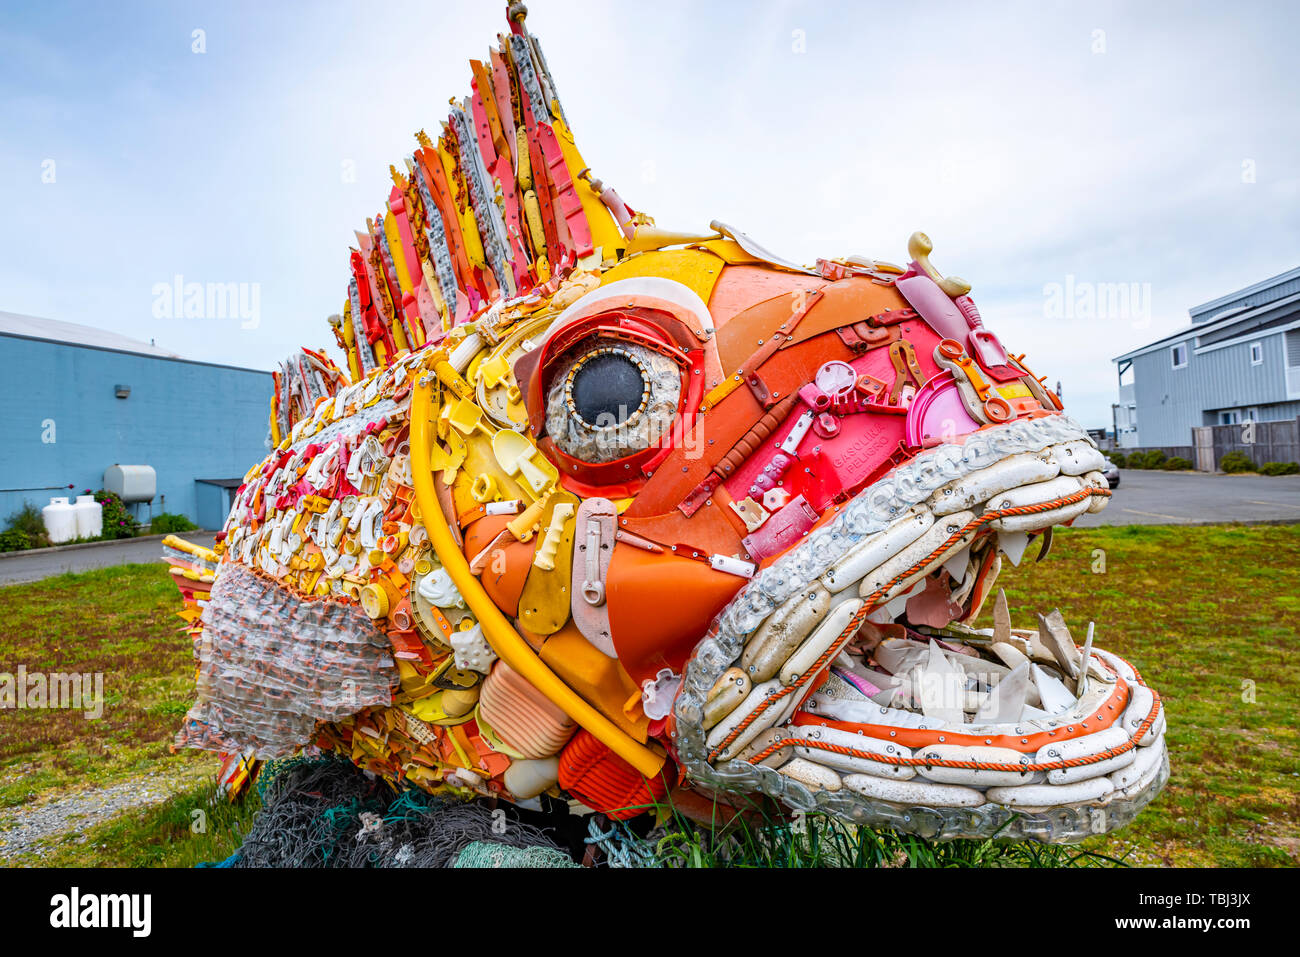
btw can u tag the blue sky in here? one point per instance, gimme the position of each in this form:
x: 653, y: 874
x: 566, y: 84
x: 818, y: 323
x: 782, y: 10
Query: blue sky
x: 1150, y: 145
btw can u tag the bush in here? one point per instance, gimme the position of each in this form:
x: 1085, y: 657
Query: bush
x: 1117, y: 458
x: 118, y: 522
x: 29, y: 521
x: 1237, y: 462
x: 14, y: 540
x: 164, y: 523
x: 1177, y: 464
x: 1151, y: 459
x: 1280, y: 468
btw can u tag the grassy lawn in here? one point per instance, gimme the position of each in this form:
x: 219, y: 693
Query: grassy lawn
x: 1210, y: 615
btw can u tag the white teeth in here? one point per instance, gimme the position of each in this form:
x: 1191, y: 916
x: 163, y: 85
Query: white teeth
x: 1055, y: 635
x: 958, y: 565
x: 1013, y: 545
x: 1011, y: 472
x: 1006, y: 701
x: 940, y: 685
x: 1055, y: 697
x: 1011, y: 656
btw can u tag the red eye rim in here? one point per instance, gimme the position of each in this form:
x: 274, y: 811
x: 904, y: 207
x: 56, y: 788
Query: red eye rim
x: 621, y: 477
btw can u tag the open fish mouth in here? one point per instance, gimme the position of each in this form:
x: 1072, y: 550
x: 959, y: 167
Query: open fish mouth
x: 844, y: 677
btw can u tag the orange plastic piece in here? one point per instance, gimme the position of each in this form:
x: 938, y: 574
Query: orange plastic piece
x: 599, y: 678
x: 602, y: 780
x: 652, y: 632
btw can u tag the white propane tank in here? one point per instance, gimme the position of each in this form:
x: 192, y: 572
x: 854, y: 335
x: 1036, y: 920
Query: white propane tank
x: 90, y: 517
x: 131, y: 483
x: 60, y: 520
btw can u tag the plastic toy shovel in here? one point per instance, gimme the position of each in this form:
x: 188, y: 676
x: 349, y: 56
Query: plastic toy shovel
x: 520, y: 458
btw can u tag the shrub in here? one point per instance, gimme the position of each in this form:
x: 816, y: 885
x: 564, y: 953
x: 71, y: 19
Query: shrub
x: 1280, y: 468
x: 1237, y: 462
x: 165, y: 523
x: 14, y: 540
x: 1150, y: 459
x: 1177, y: 464
x: 29, y: 521
x: 118, y: 522
x: 1117, y: 458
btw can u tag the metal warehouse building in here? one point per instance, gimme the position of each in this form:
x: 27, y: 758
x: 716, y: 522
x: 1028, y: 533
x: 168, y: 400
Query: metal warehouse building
x: 1238, y: 361
x: 78, y: 400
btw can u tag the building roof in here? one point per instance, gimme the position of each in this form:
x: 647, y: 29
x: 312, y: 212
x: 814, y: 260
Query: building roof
x: 1256, y: 294
x: 1218, y: 315
x: 53, y: 330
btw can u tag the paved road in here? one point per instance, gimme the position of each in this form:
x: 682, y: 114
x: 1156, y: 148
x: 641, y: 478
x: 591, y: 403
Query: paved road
x: 1188, y: 498
x: 43, y: 564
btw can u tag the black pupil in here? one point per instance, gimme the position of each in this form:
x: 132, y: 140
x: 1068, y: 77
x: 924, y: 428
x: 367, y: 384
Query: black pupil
x: 607, y: 389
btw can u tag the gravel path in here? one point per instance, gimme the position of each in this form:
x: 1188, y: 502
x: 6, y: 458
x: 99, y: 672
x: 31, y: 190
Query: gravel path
x: 25, y: 829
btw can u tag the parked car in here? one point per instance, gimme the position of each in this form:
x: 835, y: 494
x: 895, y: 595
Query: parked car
x: 1111, y: 471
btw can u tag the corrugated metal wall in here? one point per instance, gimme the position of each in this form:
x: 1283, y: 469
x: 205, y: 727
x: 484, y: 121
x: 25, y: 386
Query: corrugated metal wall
x: 1171, y: 402
x: 187, y: 420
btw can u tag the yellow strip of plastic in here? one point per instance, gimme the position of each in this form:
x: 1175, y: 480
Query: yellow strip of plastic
x: 497, y: 629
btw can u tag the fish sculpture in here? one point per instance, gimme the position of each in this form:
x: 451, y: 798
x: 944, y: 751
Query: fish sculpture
x: 602, y: 514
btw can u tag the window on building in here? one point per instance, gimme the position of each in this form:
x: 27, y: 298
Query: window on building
x: 1178, y: 355
x: 1230, y: 417
x: 1256, y: 353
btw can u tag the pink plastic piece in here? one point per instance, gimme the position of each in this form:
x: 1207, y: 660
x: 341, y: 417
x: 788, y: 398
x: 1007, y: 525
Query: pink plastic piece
x: 815, y: 398
x: 937, y: 414
x: 932, y: 303
x: 826, y: 425
x: 782, y: 530
x: 836, y: 378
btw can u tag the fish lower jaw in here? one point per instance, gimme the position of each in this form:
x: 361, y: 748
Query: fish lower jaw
x: 857, y: 686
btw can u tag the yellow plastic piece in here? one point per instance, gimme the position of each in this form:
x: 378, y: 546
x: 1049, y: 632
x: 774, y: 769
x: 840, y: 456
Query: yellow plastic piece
x: 919, y: 248
x: 517, y: 454
x: 374, y: 601
x: 545, y: 601
x: 468, y: 224
x: 500, y: 634
x: 404, y: 282
x: 606, y: 237
x: 524, y: 524
x: 560, y: 515
x: 694, y: 268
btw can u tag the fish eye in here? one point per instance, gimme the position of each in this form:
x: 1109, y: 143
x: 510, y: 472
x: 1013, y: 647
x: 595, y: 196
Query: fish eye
x: 607, y: 401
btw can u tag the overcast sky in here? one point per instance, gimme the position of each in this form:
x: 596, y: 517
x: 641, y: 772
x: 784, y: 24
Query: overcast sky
x: 1145, y: 144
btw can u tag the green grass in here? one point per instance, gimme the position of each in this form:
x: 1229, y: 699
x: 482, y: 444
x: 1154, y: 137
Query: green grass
x: 1210, y: 615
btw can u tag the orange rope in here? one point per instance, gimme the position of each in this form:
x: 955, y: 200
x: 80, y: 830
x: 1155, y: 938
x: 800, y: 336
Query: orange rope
x: 874, y: 598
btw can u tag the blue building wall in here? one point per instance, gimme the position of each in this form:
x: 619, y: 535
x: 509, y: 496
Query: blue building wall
x: 188, y: 420
x: 1170, y: 402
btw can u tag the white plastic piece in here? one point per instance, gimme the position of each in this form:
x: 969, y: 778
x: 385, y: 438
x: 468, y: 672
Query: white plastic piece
x: 1083, y: 747
x: 1057, y: 516
x: 879, y: 548
x: 1156, y: 732
x: 922, y: 792
x: 1054, y: 695
x: 940, y: 685
x: 471, y: 650
x: 916, y: 552
x: 657, y: 695
x: 529, y: 777
x: 1075, y: 458
x: 858, y: 742
x: 815, y: 776
x: 797, y: 433
x: 782, y: 631
x: 733, y: 566
x: 1144, y: 762
x: 511, y: 507
x: 1005, y: 702
x: 819, y: 641
x: 1012, y: 472
x: 1050, y: 795
x: 975, y: 777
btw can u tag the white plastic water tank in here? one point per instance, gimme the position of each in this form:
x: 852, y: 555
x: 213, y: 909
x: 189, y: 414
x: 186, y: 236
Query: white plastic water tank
x: 131, y: 483
x: 60, y: 520
x: 90, y: 517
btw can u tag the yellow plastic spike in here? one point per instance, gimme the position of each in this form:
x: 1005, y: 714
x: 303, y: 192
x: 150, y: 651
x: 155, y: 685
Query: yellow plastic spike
x: 398, y: 253
x: 605, y: 234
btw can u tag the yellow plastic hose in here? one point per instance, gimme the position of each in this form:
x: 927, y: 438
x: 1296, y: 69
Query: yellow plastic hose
x: 497, y: 629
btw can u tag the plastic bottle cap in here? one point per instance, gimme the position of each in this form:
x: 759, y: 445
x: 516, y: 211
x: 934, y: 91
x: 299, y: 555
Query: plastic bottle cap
x: 374, y: 601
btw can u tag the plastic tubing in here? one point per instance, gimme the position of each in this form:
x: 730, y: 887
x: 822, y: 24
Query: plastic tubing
x: 498, y: 630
